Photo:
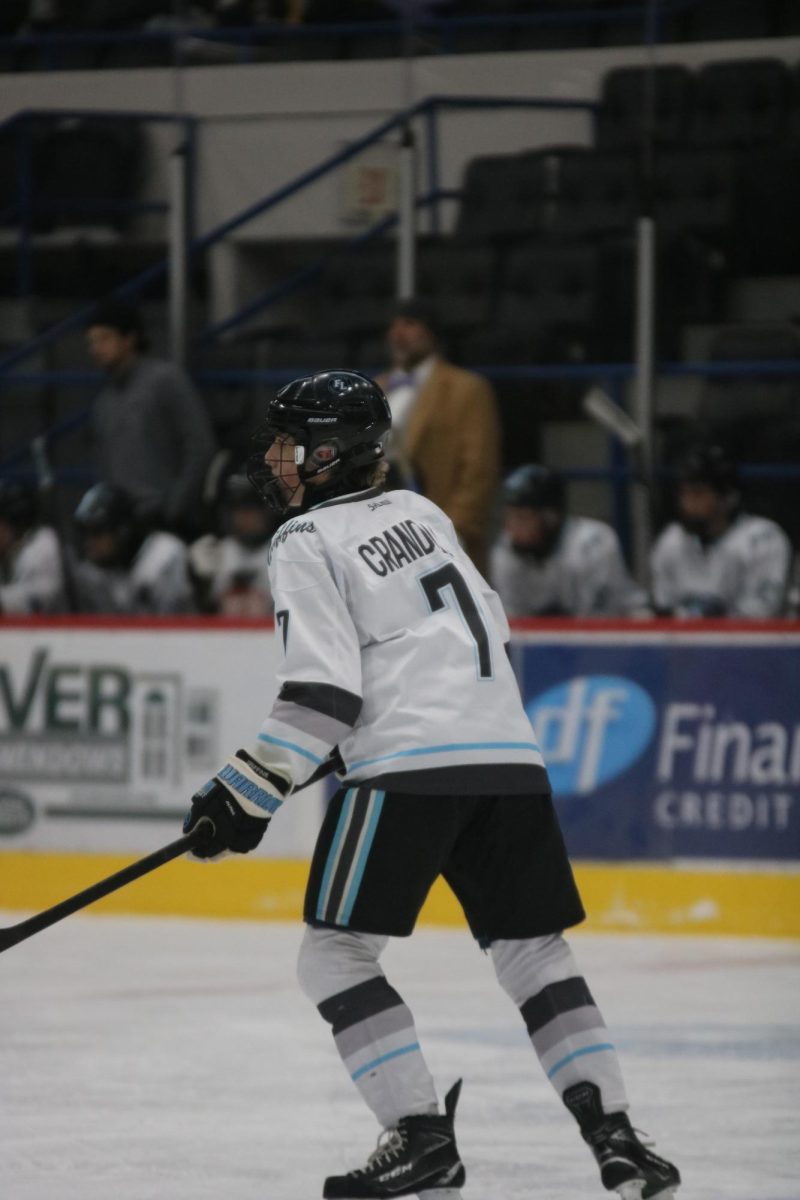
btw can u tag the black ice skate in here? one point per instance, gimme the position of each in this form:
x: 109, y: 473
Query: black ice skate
x: 626, y: 1164
x: 417, y: 1157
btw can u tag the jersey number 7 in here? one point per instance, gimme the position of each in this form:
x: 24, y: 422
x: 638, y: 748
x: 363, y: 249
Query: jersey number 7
x: 446, y: 587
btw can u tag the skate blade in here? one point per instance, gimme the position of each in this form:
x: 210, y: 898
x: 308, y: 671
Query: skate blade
x: 633, y: 1191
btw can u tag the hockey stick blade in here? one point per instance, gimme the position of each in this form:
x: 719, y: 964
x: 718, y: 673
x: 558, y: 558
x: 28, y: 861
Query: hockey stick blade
x: 14, y: 934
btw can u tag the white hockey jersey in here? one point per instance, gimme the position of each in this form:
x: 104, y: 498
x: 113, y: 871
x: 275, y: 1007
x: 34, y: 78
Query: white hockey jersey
x: 393, y: 649
x: 585, y: 576
x: 33, y: 581
x: 744, y: 573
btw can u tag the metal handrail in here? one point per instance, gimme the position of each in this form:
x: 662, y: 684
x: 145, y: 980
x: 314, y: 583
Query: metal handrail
x: 138, y: 282
x: 614, y: 373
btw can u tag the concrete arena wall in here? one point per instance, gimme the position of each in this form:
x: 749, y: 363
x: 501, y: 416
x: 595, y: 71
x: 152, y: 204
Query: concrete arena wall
x: 106, y: 727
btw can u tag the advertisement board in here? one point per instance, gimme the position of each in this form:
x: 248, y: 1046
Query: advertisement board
x: 669, y: 745
x: 106, y: 730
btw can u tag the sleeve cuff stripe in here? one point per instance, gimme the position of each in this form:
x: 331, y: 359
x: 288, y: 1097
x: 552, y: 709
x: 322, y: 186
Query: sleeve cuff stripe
x: 275, y: 741
x: 324, y: 698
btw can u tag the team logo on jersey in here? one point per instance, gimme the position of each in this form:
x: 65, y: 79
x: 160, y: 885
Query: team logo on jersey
x: 591, y: 729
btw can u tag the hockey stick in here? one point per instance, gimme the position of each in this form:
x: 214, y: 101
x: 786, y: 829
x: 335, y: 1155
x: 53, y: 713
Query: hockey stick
x: 14, y: 934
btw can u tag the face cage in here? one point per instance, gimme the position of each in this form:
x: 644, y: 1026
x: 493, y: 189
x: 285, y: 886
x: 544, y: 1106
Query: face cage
x: 269, y: 486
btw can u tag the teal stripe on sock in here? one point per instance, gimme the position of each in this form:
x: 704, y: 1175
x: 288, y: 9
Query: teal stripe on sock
x: 384, y: 1058
x: 562, y: 1062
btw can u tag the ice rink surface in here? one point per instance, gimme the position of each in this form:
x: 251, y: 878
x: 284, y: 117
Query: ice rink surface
x: 178, y: 1060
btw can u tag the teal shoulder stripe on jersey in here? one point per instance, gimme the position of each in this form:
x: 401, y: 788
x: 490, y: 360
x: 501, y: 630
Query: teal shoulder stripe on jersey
x: 265, y: 737
x: 376, y: 804
x: 368, y: 762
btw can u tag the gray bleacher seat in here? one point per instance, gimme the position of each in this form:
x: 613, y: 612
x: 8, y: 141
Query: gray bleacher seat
x: 459, y: 281
x: 740, y: 102
x: 503, y: 197
x: 695, y: 192
x: 356, y: 292
x: 689, y: 281
x: 767, y: 231
x: 728, y: 400
x: 545, y: 307
x: 618, y: 123
x: 589, y: 192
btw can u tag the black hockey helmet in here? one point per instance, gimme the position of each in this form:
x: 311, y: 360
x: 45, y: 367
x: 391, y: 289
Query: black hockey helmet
x: 19, y: 504
x: 104, y: 509
x: 712, y: 465
x: 534, y: 486
x: 237, y: 492
x: 338, y: 421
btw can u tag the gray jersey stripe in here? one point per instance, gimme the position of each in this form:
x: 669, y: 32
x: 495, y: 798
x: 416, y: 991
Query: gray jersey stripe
x: 308, y: 720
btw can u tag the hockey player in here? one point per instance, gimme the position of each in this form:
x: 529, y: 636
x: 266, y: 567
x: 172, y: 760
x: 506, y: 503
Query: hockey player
x: 394, y: 650
x: 230, y: 570
x: 124, y: 568
x: 31, y: 572
x: 548, y: 564
x: 715, y: 560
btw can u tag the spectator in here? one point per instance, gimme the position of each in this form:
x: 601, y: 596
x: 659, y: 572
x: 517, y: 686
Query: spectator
x: 153, y: 436
x: 446, y: 429
x: 123, y: 567
x: 31, y: 570
x: 548, y: 564
x: 230, y: 570
x: 715, y: 560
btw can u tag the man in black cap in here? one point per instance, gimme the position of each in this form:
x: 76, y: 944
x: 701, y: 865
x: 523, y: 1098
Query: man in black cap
x: 446, y: 429
x: 153, y: 436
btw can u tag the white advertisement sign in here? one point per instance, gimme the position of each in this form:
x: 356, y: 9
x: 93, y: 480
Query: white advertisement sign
x: 105, y: 732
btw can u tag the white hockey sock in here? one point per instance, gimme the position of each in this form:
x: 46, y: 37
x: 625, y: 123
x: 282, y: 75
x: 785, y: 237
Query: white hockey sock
x: 372, y: 1027
x: 565, y: 1025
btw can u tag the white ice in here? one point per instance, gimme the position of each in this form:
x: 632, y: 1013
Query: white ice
x: 178, y: 1060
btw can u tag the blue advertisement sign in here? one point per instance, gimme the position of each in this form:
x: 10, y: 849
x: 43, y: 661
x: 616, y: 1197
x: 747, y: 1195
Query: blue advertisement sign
x: 662, y: 749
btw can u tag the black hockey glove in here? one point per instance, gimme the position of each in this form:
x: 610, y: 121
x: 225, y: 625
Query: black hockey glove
x: 239, y: 802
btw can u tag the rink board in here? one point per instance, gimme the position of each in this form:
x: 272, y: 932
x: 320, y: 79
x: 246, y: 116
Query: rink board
x: 674, y: 752
x: 618, y: 897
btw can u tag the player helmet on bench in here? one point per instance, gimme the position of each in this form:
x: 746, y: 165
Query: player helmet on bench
x: 338, y: 421
x: 534, y: 486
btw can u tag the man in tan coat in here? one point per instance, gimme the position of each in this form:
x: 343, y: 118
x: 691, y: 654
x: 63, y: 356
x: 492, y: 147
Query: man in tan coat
x: 446, y: 428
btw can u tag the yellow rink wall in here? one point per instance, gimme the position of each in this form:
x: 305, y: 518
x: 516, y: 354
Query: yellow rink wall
x: 618, y: 897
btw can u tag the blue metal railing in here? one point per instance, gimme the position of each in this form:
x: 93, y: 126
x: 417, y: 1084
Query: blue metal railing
x: 428, y: 108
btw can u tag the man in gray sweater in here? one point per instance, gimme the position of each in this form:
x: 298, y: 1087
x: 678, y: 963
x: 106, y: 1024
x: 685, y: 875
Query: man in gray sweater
x: 153, y: 437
